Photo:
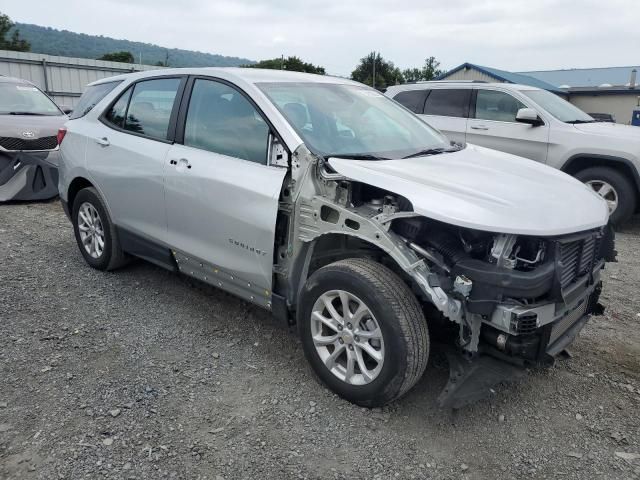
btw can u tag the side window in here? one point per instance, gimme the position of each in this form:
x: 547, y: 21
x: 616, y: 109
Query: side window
x: 499, y: 106
x: 448, y: 102
x: 150, y: 107
x: 412, y: 99
x: 221, y: 120
x: 115, y: 115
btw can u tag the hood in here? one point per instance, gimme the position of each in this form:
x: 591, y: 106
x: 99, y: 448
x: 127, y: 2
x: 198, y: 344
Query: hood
x: 614, y: 130
x: 41, y: 126
x: 485, y: 190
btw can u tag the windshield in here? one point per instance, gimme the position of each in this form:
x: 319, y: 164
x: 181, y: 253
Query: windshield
x: 559, y: 108
x: 24, y: 99
x: 352, y: 121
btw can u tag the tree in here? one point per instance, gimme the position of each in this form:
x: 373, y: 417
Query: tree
x: 386, y: 73
x: 429, y: 71
x: 293, y: 64
x: 124, y: 57
x: 15, y: 42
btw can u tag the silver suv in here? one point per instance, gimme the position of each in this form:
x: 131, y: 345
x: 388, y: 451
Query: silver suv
x: 29, y: 123
x: 333, y: 207
x: 535, y: 124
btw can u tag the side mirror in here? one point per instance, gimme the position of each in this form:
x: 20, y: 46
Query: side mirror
x: 530, y: 116
x: 66, y: 109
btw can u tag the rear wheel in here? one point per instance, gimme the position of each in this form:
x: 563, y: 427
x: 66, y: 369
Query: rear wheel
x: 616, y: 189
x: 95, y: 233
x: 363, y: 331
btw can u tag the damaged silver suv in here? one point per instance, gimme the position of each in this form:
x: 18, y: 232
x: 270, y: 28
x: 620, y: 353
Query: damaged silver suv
x: 337, y: 209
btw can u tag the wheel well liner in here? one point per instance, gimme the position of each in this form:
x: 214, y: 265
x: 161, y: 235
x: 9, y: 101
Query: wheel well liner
x: 76, y: 185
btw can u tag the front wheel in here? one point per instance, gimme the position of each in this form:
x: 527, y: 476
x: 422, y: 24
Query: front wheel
x: 616, y: 189
x: 363, y: 331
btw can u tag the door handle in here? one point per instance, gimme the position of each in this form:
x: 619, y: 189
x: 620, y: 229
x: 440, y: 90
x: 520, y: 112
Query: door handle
x: 479, y: 127
x: 103, y: 142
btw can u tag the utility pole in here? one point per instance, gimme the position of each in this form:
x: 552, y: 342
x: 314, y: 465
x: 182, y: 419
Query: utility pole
x: 374, y: 71
x: 166, y: 58
x: 282, y: 62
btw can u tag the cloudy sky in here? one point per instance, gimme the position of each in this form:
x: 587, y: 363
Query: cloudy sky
x: 508, y: 34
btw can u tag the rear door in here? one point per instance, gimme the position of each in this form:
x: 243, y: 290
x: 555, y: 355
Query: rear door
x: 221, y: 193
x: 126, y: 152
x: 447, y: 110
x: 493, y: 125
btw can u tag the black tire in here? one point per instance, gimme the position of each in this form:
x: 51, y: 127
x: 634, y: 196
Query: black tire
x: 112, y: 256
x: 398, y: 314
x: 625, y: 190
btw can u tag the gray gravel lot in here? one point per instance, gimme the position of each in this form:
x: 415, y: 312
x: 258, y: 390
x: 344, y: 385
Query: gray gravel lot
x: 145, y: 374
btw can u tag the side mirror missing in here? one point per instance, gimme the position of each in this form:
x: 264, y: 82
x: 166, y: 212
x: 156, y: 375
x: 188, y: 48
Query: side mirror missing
x: 530, y: 116
x: 278, y: 155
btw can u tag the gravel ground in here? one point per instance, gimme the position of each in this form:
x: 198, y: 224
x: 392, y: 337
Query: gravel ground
x: 145, y: 374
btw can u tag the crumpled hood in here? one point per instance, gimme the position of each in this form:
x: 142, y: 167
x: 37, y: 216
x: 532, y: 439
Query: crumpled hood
x: 485, y: 190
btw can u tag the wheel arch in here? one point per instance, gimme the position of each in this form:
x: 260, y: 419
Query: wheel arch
x: 332, y: 246
x: 582, y: 161
x: 75, y: 186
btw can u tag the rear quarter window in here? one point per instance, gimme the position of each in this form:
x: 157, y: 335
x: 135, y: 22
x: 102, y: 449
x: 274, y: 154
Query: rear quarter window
x: 447, y: 102
x: 91, y: 97
x: 412, y: 99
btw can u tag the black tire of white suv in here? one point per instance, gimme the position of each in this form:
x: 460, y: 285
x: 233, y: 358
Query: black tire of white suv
x: 94, y: 231
x: 384, y: 320
x: 624, y: 191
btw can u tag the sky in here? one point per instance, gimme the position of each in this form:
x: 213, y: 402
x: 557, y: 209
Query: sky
x: 513, y: 35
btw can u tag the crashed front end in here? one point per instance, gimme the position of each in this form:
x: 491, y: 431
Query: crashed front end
x: 524, y: 299
x: 28, y: 168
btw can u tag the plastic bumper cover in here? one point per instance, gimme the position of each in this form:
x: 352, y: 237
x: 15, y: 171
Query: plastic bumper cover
x: 28, y: 175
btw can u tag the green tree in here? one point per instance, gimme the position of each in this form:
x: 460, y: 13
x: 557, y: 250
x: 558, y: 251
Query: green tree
x: 124, y: 57
x: 429, y: 71
x: 386, y: 73
x: 14, y: 42
x: 293, y: 64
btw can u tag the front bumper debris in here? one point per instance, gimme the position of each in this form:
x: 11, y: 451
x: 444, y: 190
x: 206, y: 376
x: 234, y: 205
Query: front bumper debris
x: 472, y: 379
x: 28, y: 175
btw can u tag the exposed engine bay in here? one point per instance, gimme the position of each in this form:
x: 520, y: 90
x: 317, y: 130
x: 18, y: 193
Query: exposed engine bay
x: 515, y: 285
x: 505, y: 301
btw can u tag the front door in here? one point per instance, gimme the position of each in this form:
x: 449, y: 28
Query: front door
x: 494, y: 125
x: 221, y: 194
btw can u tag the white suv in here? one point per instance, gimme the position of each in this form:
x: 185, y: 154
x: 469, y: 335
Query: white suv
x: 536, y: 124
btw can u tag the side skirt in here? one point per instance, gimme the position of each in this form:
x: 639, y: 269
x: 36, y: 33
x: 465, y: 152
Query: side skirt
x: 209, y: 273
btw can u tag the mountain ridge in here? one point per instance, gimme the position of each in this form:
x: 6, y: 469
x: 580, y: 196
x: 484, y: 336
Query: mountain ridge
x: 66, y: 43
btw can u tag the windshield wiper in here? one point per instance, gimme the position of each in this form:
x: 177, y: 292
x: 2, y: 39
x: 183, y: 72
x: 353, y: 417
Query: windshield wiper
x: 573, y: 122
x: 431, y: 151
x: 355, y: 156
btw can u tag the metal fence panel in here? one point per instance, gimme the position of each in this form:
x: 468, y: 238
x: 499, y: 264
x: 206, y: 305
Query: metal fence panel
x: 63, y: 78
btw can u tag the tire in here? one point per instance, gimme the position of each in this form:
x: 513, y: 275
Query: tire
x: 110, y: 256
x: 623, y: 190
x: 404, y: 346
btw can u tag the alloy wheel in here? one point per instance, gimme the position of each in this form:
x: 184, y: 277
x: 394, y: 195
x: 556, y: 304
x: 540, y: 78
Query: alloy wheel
x: 347, y: 337
x: 91, y: 230
x: 606, y: 191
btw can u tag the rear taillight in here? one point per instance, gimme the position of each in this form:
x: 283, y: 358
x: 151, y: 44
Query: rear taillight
x: 61, y: 133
